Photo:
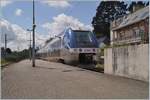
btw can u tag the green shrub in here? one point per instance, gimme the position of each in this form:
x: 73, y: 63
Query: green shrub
x: 16, y: 56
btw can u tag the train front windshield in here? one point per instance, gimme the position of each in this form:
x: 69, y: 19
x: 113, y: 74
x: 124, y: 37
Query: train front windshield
x: 84, y: 39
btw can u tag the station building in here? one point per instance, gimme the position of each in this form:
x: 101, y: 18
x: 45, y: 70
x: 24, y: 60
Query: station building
x: 132, y: 28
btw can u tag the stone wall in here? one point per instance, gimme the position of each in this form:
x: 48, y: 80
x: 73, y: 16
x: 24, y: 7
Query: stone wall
x: 129, y: 61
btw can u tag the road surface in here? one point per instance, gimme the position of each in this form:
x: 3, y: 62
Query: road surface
x: 49, y: 80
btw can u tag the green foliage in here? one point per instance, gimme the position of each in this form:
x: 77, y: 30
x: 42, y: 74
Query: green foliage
x: 3, y: 62
x: 16, y: 56
x: 107, y: 11
x: 147, y: 4
x: 8, y: 50
x: 100, y: 66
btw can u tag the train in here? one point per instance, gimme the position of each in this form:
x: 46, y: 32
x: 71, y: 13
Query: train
x: 71, y: 46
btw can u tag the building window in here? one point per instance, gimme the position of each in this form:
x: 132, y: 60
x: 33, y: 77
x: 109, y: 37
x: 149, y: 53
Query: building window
x: 141, y: 31
x: 126, y: 34
x: 121, y: 35
x: 115, y: 35
x: 142, y: 34
x: 137, y: 32
x: 147, y: 21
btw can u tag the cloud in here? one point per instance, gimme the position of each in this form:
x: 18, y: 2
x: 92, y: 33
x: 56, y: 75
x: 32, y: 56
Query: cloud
x: 18, y: 12
x: 4, y: 3
x: 6, y: 28
x: 62, y: 21
x: 51, y: 3
x: 17, y: 36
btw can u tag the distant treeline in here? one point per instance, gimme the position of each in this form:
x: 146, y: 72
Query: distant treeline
x: 9, y: 56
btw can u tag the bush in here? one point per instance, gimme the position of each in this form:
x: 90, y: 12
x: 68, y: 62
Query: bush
x: 17, y: 56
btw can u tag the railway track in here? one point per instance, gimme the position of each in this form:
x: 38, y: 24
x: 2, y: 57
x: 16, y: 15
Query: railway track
x: 86, y: 66
x: 91, y: 67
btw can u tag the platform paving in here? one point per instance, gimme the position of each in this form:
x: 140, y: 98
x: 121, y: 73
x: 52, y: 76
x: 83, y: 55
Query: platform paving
x: 50, y: 80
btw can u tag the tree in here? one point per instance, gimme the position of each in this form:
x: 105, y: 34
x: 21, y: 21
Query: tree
x: 8, y: 50
x: 147, y: 4
x: 107, y: 11
x: 2, y: 49
x: 2, y: 52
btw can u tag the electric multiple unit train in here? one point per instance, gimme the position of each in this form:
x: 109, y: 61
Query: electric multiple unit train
x: 72, y: 46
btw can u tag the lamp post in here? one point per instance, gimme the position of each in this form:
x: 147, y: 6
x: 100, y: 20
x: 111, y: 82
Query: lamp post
x: 5, y: 46
x: 33, y: 48
x: 5, y: 42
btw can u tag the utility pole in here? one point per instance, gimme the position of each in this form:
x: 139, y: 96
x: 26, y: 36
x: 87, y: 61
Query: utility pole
x: 33, y: 48
x: 5, y: 42
x: 5, y: 46
x: 30, y: 47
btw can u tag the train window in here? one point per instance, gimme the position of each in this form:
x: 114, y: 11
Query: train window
x: 84, y: 39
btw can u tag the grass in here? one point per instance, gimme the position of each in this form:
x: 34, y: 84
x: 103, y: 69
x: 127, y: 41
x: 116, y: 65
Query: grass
x: 101, y: 66
x: 14, y: 57
x: 4, y: 62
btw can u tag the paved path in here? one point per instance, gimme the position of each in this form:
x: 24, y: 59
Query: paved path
x: 56, y: 80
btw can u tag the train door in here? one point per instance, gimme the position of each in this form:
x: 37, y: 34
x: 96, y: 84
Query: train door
x: 85, y: 58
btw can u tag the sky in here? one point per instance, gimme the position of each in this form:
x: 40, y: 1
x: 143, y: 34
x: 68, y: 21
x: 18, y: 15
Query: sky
x: 52, y: 17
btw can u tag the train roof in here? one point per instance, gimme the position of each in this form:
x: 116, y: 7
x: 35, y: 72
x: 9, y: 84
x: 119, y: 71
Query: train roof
x: 81, y: 30
x: 54, y: 40
x: 61, y: 34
